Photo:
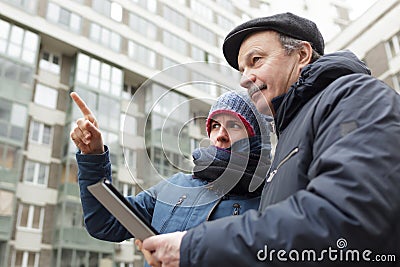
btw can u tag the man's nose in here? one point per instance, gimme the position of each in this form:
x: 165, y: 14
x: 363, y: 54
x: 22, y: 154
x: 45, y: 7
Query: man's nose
x: 247, y: 80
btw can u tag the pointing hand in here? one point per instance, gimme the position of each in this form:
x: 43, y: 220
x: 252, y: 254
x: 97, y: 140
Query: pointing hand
x: 86, y: 134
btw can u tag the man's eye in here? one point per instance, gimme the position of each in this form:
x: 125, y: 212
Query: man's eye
x: 256, y: 59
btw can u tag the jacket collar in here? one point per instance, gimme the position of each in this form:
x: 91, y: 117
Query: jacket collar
x: 313, y: 79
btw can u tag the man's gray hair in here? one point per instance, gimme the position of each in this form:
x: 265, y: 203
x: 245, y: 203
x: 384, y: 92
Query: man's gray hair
x: 291, y: 44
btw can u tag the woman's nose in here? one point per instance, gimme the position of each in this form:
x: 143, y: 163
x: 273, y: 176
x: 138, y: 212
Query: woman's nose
x: 223, y: 135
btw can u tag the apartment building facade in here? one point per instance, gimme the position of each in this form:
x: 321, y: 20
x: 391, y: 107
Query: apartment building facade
x: 375, y: 38
x: 148, y: 69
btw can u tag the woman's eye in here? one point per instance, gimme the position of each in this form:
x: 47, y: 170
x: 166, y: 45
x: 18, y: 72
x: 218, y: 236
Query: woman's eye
x: 234, y: 125
x: 215, y: 125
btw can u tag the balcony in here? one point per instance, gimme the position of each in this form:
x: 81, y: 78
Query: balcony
x: 69, y: 192
x: 78, y: 238
x: 8, y: 179
x: 5, y: 227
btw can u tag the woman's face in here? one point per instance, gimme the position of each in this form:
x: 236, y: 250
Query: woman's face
x: 226, y: 129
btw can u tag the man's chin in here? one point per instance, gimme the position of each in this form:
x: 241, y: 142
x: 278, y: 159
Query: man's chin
x: 265, y: 110
x: 261, y: 103
x: 263, y: 107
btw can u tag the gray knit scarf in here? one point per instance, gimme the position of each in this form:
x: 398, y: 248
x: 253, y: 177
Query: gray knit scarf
x: 238, y: 170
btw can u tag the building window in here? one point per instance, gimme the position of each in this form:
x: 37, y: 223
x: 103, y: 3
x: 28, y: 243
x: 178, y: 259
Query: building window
x: 9, y: 157
x: 130, y: 158
x: 128, y: 124
x: 129, y: 91
x: 26, y: 5
x: 116, y: 12
x: 127, y: 189
x: 393, y: 46
x: 105, y: 37
x: 212, y: 62
x: 169, y: 114
x: 73, y: 216
x: 25, y: 259
x: 90, y: 99
x: 142, y: 26
x: 30, y: 216
x: 227, y: 5
x: 157, y: 158
x: 194, y: 144
x: 396, y: 82
x: 175, y: 70
x: 102, y: 6
x: 141, y: 54
x: 18, y: 43
x: 13, y: 118
x: 164, y: 102
x: 46, y: 96
x: 201, y: 10
x: 166, y: 162
x: 40, y: 133
x: 112, y: 141
x: 5, y: 29
x: 16, y: 72
x: 107, y: 110
x: 36, y: 173
x: 108, y: 8
x: 150, y: 5
x: 174, y: 42
x: 66, y: 18
x: 199, y: 54
x: 198, y: 30
x: 6, y: 203
x: 99, y: 75
x: 174, y: 17
x: 225, y: 23
x: 50, y: 62
x: 205, y: 84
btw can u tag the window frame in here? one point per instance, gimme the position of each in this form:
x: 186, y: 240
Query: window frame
x: 30, y: 216
x: 42, y: 126
x: 37, y: 167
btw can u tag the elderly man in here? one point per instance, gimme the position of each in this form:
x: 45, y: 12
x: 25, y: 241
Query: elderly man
x: 332, y: 193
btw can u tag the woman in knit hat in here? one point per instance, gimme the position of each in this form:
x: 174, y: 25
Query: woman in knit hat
x: 226, y: 178
x: 239, y: 138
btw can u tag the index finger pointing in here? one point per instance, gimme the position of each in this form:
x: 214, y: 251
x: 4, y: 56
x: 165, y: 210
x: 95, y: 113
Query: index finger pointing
x: 82, y: 105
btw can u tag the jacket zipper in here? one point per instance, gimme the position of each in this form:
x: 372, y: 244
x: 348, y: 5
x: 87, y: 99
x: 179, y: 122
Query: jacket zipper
x: 212, y: 209
x: 272, y: 174
x: 177, y: 204
x: 236, y: 209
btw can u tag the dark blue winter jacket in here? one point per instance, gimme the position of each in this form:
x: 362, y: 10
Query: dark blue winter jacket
x: 333, y: 192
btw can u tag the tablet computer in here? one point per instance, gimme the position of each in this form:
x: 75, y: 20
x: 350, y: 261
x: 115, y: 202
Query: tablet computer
x: 122, y: 210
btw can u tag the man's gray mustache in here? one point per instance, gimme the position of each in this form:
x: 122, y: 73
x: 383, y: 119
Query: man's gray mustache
x: 255, y: 89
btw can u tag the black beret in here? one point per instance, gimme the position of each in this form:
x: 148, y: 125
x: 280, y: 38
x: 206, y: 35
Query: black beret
x: 285, y: 23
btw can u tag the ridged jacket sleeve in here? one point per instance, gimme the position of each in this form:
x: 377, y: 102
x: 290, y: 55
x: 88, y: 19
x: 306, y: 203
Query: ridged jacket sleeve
x: 98, y: 221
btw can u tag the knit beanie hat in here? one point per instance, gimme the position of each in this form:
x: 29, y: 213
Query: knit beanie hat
x: 285, y: 23
x: 239, y: 105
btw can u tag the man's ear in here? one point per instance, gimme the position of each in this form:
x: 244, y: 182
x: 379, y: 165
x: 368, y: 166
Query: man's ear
x: 305, y: 54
